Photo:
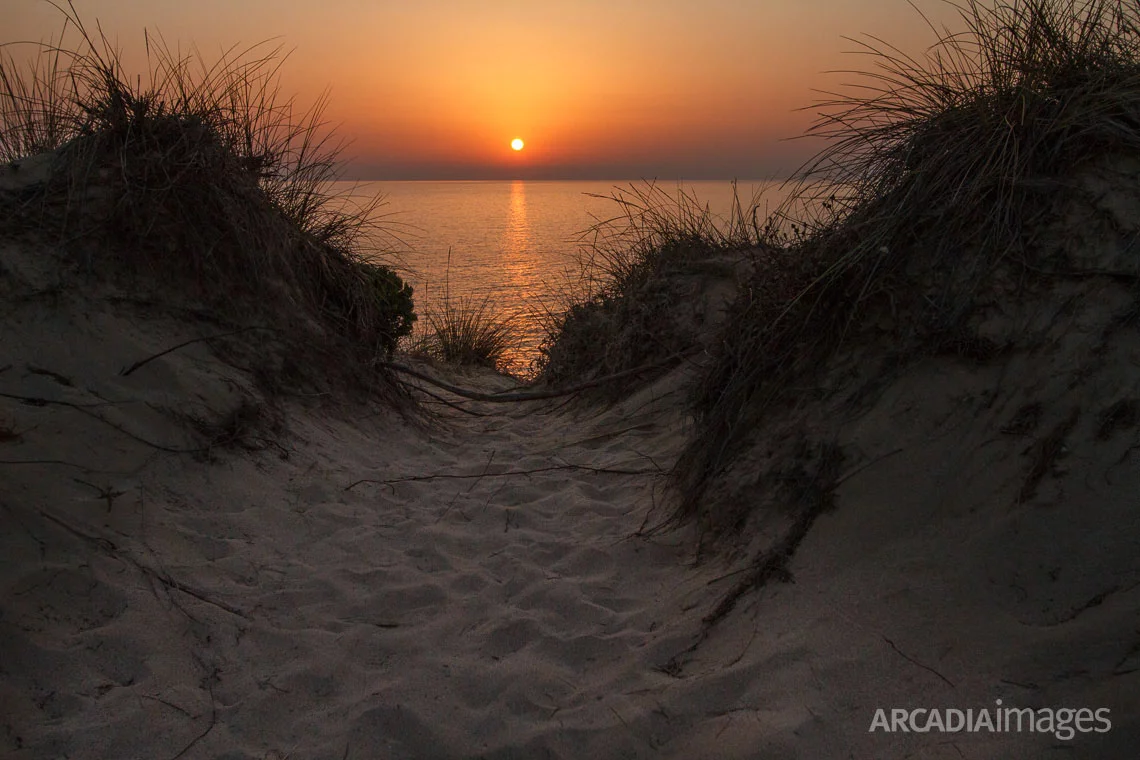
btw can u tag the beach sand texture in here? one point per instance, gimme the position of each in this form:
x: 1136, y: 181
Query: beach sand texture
x: 266, y: 597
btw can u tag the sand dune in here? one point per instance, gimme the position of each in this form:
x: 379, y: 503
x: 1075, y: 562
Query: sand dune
x: 330, y: 580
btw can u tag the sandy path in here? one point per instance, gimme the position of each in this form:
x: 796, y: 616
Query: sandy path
x: 259, y: 604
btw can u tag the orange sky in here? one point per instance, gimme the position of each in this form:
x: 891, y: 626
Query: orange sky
x: 599, y: 89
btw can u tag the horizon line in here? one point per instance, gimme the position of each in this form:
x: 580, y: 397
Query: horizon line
x: 615, y: 178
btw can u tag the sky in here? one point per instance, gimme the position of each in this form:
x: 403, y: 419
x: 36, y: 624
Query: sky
x: 596, y: 89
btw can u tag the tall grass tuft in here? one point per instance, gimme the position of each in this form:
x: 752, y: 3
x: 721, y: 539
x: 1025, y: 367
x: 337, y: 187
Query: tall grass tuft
x: 469, y: 332
x: 935, y: 172
x: 201, y: 180
x: 35, y: 115
x: 633, y: 306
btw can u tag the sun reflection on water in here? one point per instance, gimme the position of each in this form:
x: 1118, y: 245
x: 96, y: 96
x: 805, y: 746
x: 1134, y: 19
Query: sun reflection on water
x: 516, y: 241
x: 517, y: 261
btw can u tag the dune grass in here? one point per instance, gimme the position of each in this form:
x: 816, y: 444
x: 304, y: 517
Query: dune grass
x: 200, y: 180
x: 630, y: 308
x: 935, y: 174
x: 35, y: 114
x: 468, y: 332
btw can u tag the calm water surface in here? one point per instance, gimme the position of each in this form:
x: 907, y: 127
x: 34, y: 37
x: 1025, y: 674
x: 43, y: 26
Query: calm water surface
x: 517, y: 244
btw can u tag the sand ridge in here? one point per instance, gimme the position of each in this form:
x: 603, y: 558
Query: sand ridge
x: 188, y: 572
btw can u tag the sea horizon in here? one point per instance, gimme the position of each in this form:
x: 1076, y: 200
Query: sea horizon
x: 564, y: 179
x: 518, y: 246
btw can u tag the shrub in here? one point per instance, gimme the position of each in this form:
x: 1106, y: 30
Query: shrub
x: 393, y: 297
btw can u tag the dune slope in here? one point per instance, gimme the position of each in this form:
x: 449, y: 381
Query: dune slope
x: 188, y: 570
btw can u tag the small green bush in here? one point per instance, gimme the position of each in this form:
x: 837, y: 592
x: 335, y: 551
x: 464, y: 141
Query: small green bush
x: 394, y: 298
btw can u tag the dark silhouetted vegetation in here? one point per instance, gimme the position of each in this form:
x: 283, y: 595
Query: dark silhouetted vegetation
x: 935, y: 173
x: 640, y: 304
x: 198, y: 180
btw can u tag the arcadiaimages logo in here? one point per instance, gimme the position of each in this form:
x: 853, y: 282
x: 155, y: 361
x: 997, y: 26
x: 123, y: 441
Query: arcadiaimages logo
x: 1063, y: 722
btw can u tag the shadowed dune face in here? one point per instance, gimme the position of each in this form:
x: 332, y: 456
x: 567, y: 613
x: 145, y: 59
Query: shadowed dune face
x: 939, y: 191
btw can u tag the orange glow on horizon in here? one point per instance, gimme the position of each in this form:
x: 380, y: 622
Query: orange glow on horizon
x: 618, y: 88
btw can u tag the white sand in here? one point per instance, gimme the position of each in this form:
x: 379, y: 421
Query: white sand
x: 155, y: 605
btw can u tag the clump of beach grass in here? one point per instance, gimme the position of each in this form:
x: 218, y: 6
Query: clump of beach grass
x: 632, y: 306
x: 936, y: 173
x: 198, y: 180
x: 35, y: 114
x: 466, y: 331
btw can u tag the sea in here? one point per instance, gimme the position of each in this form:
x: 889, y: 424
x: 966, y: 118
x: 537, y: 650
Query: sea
x: 521, y: 248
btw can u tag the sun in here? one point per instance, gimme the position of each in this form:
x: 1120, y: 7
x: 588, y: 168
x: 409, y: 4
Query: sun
x: 517, y: 144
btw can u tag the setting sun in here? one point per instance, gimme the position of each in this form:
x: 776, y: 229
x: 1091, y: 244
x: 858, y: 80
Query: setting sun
x: 517, y: 144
